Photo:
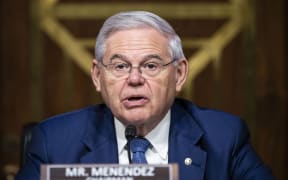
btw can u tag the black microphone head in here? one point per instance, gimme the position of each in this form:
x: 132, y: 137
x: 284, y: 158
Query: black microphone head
x: 130, y: 132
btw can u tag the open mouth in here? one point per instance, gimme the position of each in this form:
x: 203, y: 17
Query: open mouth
x: 135, y: 98
x: 135, y: 101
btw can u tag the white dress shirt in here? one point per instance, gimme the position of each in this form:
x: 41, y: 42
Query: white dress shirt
x: 158, y: 137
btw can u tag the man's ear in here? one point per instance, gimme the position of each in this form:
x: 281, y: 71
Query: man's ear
x: 95, y: 75
x: 182, y: 72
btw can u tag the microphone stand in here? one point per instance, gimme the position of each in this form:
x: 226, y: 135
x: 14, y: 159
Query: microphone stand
x: 130, y: 133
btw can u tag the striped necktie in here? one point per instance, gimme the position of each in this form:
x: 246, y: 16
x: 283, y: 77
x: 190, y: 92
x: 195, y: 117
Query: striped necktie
x: 138, y: 147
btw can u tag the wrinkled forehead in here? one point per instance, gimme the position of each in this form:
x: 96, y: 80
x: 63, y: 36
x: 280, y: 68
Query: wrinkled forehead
x: 136, y: 27
x: 137, y: 41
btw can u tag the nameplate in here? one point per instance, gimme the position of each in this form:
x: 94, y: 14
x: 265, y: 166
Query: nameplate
x: 109, y: 172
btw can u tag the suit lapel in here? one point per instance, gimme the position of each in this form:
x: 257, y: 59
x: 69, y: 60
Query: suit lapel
x: 184, y: 142
x: 185, y: 145
x: 100, y: 139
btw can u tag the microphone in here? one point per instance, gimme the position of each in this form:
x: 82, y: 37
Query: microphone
x: 130, y: 133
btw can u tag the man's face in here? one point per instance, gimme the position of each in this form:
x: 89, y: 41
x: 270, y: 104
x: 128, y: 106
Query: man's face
x: 137, y: 98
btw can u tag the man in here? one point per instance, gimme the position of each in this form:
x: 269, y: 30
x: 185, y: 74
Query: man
x: 139, y: 68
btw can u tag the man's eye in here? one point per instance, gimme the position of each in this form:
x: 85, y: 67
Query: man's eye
x: 151, y: 66
x: 121, y: 66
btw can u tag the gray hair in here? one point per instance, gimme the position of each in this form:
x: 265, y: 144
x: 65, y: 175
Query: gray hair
x: 138, y: 19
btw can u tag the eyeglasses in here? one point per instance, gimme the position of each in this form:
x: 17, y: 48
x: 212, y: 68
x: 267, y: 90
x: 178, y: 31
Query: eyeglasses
x: 123, y: 68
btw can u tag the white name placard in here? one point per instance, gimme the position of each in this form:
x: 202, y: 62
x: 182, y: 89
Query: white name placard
x: 109, y: 172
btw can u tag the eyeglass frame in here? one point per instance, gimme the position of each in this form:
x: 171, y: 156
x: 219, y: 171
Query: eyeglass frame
x: 112, y: 66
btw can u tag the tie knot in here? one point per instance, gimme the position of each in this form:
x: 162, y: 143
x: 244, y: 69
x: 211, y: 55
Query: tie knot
x: 139, y: 145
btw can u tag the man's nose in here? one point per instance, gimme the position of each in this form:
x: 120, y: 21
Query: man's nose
x: 135, y: 76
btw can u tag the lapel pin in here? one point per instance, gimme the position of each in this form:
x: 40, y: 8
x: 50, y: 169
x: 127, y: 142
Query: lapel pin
x: 188, y: 161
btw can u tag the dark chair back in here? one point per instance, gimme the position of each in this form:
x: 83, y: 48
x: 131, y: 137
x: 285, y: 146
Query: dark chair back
x: 25, y: 138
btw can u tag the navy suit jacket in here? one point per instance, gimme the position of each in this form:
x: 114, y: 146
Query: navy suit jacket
x: 217, y: 142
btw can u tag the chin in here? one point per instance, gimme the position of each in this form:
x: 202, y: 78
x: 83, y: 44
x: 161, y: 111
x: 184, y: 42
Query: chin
x: 135, y: 120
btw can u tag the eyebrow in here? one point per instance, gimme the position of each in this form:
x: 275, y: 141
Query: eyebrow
x: 118, y: 56
x: 146, y: 58
x: 152, y: 56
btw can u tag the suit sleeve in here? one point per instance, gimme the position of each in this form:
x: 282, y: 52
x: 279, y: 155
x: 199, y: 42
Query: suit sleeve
x: 36, y: 155
x: 246, y: 165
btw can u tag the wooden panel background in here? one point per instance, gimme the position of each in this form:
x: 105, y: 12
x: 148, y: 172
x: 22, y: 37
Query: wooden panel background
x: 38, y: 79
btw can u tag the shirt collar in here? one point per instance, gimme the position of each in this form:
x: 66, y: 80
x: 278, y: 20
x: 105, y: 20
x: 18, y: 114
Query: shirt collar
x: 120, y: 135
x: 158, y: 137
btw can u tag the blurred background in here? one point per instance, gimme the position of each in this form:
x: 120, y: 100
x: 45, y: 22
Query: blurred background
x: 237, y: 50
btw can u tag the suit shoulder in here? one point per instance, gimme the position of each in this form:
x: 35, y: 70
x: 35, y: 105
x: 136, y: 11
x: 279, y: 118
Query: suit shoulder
x: 73, y: 119
x: 216, y: 124
x: 60, y: 138
x: 207, y: 115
